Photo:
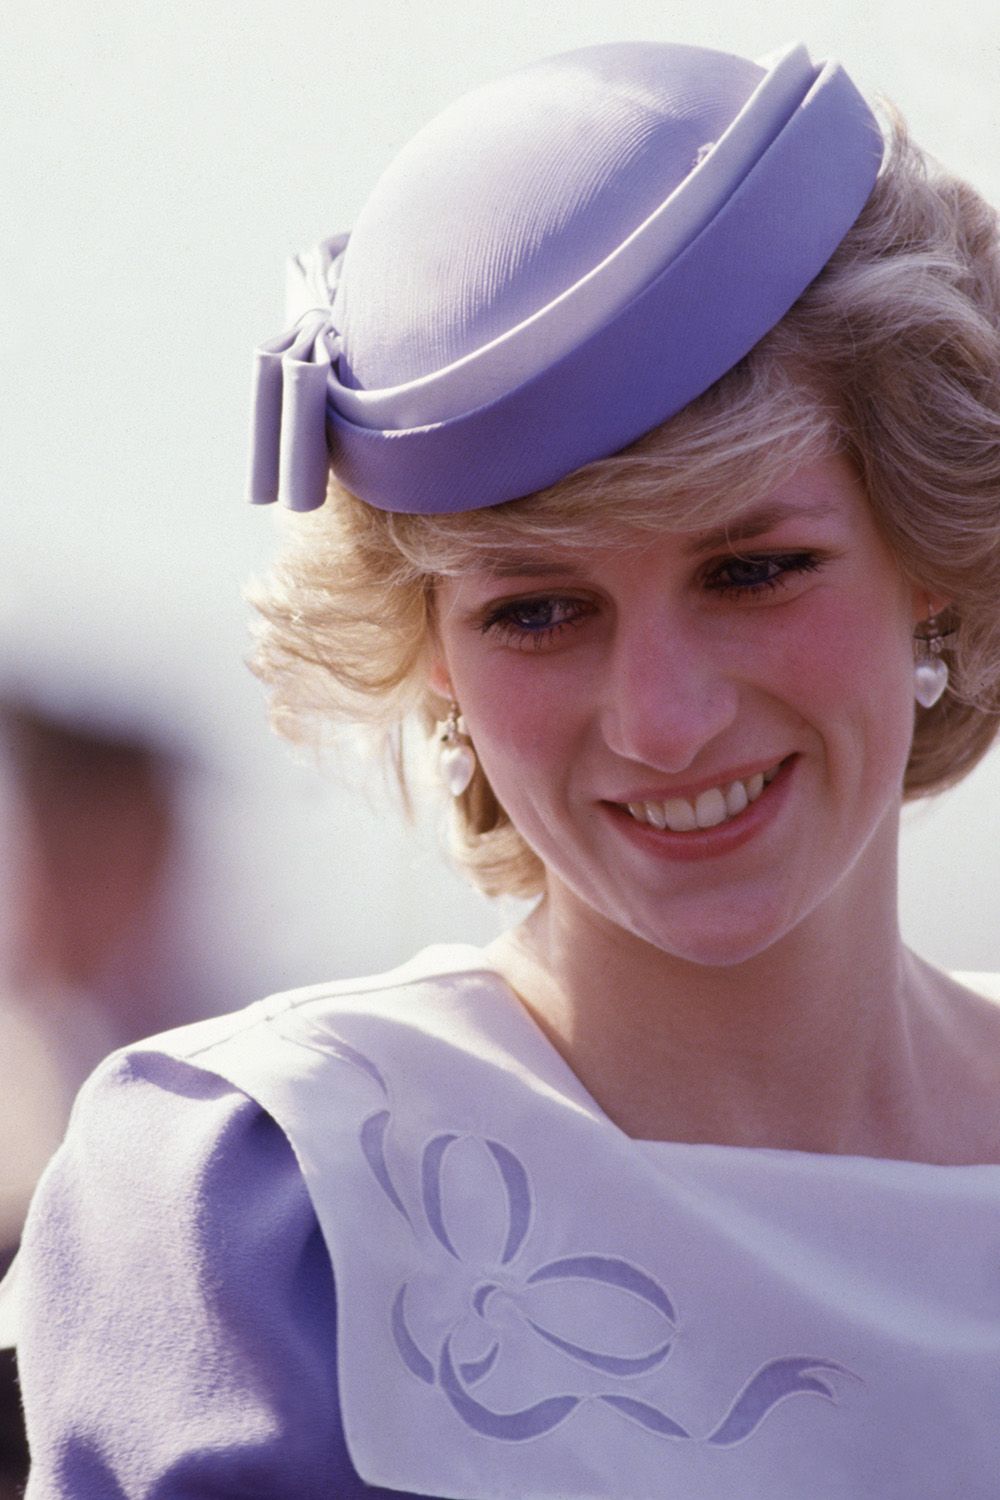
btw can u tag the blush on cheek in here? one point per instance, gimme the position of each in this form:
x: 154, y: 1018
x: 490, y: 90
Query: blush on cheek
x: 839, y: 654
x: 518, y: 722
x: 857, y: 683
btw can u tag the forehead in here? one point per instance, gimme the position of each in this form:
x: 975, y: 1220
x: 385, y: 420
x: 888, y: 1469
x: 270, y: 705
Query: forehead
x: 825, y: 493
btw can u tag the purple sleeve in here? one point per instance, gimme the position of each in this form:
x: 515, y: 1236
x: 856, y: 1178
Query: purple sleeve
x: 178, y: 1316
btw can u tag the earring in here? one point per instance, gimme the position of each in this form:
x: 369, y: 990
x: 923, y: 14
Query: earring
x: 930, y: 670
x: 456, y: 757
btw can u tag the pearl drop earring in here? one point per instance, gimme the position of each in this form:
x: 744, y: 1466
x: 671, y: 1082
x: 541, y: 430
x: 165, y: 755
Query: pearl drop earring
x: 930, y: 670
x: 456, y: 757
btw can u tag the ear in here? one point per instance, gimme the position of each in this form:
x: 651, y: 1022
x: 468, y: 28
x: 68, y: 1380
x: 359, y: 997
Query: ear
x: 926, y: 606
x: 438, y: 677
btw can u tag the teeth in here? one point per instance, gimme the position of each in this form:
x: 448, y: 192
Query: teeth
x: 709, y: 809
x: 736, y: 798
x: 656, y: 815
x: 681, y: 816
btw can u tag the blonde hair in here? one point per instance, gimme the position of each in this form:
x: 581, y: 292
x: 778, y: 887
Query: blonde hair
x: 892, y: 356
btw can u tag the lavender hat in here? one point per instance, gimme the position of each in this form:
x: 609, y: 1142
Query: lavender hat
x: 555, y: 265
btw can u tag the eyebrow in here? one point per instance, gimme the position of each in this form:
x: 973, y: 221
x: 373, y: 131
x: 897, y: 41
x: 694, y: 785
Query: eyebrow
x: 743, y: 527
x: 517, y: 566
x: 750, y: 524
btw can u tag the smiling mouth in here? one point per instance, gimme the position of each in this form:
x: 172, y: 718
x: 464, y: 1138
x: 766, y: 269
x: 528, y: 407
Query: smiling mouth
x: 710, y: 809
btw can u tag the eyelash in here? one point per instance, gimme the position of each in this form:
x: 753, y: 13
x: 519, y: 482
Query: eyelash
x: 788, y: 564
x: 501, y: 620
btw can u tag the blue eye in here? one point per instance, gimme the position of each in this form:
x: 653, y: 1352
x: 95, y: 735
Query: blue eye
x: 534, y: 622
x: 742, y: 576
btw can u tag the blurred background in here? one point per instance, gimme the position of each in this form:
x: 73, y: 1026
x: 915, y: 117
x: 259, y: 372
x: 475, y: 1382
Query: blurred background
x: 159, y: 162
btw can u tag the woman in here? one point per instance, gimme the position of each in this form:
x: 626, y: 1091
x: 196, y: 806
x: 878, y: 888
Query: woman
x: 664, y: 421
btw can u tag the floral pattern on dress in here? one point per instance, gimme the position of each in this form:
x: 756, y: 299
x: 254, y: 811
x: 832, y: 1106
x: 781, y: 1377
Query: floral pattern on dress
x: 488, y: 1281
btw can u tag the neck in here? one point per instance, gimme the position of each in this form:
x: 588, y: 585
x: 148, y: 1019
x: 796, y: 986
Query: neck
x: 814, y: 1044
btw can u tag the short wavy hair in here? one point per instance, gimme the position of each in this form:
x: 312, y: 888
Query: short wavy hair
x: 891, y: 356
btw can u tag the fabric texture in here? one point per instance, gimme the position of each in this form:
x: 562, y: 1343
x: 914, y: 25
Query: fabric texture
x: 177, y: 1304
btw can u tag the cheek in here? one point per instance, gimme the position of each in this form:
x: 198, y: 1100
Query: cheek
x: 527, y: 732
x: 527, y: 726
x: 849, y: 671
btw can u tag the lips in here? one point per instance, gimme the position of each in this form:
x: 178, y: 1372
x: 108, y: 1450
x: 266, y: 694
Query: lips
x: 710, y: 808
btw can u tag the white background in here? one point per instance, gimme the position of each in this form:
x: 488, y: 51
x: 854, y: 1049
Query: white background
x: 160, y: 160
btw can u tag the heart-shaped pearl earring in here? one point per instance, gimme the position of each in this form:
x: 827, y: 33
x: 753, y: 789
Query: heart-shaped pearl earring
x: 456, y: 757
x: 930, y: 670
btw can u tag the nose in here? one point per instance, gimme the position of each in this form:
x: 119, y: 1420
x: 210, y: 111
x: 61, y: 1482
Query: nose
x: 669, y: 693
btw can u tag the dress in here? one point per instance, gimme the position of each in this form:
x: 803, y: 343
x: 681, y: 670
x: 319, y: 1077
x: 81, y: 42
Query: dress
x: 528, y: 1303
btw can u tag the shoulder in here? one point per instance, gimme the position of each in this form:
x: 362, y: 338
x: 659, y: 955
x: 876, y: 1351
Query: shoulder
x: 441, y: 966
x: 191, y: 1123
x: 175, y: 1308
x: 167, y: 1114
x: 176, y: 1294
x: 159, y: 1151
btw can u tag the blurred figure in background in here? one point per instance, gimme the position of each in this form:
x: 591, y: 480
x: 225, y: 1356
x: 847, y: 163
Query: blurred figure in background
x: 90, y: 829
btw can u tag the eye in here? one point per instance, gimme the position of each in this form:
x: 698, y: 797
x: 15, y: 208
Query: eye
x: 535, y: 622
x: 743, y: 577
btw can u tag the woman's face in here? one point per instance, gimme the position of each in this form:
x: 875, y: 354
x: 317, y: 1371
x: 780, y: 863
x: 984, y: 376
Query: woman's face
x: 758, y: 686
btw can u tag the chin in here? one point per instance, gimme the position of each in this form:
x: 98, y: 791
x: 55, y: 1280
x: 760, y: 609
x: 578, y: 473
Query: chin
x: 724, y: 950
x: 724, y: 944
